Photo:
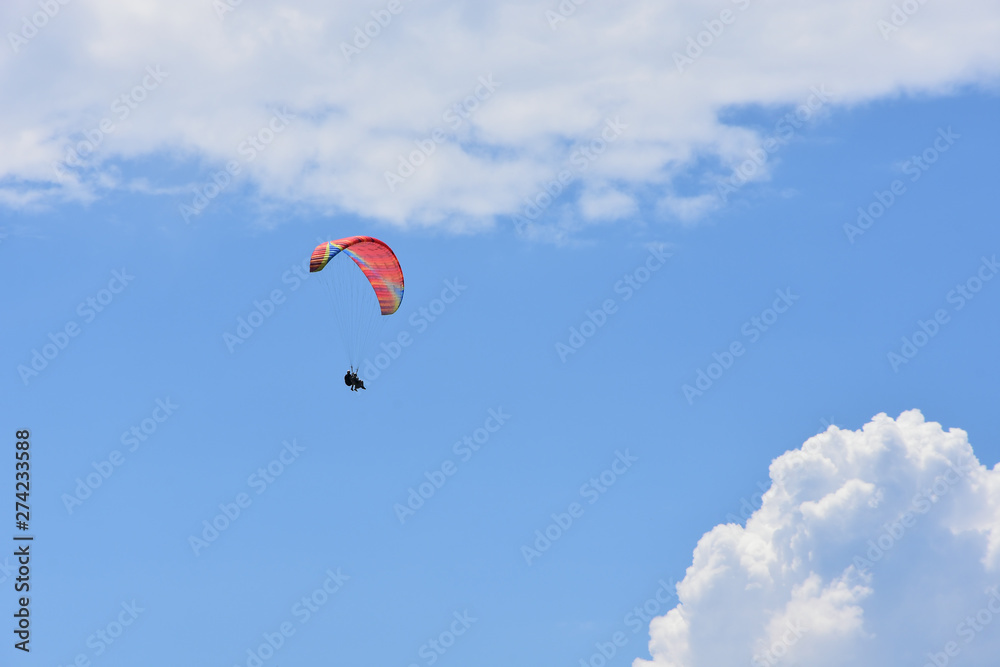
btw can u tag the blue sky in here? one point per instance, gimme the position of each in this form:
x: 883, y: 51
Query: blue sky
x: 694, y: 461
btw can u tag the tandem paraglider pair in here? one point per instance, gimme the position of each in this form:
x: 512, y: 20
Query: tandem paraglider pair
x: 359, y: 316
x: 352, y: 380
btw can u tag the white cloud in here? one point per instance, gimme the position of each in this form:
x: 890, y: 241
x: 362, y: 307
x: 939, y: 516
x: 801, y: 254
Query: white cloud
x: 601, y: 204
x: 871, y: 547
x: 555, y: 89
x: 688, y: 210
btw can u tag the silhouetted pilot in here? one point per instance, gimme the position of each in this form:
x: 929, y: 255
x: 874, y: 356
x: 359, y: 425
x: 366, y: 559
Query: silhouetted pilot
x: 353, y: 381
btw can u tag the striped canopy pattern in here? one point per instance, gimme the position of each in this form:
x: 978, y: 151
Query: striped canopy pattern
x: 375, y: 259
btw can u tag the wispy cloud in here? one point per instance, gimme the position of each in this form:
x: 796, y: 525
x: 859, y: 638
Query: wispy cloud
x: 355, y: 118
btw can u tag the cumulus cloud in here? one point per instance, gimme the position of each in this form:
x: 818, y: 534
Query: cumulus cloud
x: 871, y: 547
x: 448, y: 113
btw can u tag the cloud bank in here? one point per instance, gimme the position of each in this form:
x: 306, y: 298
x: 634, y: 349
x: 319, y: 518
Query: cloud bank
x: 451, y: 114
x: 871, y: 547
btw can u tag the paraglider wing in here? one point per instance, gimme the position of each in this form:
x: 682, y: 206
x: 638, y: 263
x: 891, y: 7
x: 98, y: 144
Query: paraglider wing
x: 375, y: 259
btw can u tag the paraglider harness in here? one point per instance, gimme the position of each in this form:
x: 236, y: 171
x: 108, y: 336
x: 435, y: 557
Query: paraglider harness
x: 352, y: 380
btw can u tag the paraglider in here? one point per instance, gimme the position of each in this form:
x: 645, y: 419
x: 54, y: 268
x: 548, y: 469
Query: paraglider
x: 374, y: 272
x: 352, y: 380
